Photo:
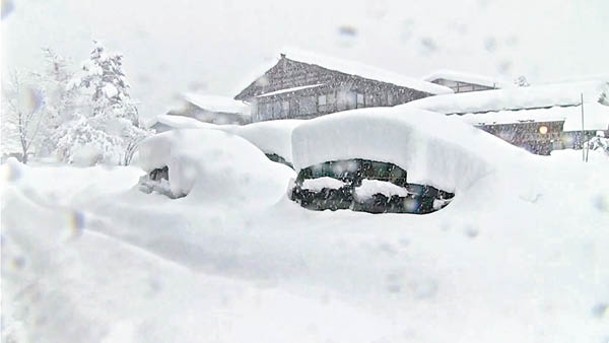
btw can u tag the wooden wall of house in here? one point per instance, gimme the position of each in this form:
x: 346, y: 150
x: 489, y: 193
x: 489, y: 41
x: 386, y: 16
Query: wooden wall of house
x: 537, y: 137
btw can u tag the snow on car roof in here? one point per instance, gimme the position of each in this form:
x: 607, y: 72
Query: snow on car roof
x: 465, y: 77
x: 217, y: 103
x: 363, y: 70
x: 434, y: 149
x: 513, y: 98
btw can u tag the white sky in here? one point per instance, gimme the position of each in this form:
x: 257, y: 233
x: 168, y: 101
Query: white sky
x: 171, y: 46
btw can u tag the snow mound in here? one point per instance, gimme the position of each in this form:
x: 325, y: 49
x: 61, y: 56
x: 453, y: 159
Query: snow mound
x: 214, y: 167
x: 272, y: 137
x: 435, y: 150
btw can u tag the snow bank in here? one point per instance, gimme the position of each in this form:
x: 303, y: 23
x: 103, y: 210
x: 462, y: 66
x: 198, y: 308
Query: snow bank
x: 435, y: 150
x: 213, y: 166
x: 218, y: 104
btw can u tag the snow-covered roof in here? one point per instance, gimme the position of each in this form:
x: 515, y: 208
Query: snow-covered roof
x: 363, y: 70
x: 465, y: 77
x: 434, y: 149
x: 182, y: 122
x: 596, y: 117
x: 514, y: 98
x: 288, y: 90
x: 217, y: 103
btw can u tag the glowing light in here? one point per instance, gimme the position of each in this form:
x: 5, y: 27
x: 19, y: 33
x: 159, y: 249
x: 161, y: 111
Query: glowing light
x: 543, y: 130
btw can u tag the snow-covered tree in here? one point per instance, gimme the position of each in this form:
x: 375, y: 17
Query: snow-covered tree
x: 59, y: 99
x: 604, y: 97
x: 23, y: 117
x: 107, y: 124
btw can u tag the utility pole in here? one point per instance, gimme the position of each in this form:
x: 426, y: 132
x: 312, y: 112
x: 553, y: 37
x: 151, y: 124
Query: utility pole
x: 584, y: 157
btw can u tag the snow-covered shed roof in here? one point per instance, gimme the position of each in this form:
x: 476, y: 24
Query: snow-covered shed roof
x: 363, y: 70
x: 182, y: 122
x: 465, y: 77
x: 514, y: 98
x: 217, y: 103
x: 434, y: 149
x: 596, y: 117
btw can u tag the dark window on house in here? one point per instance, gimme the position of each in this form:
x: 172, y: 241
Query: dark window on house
x: 294, y: 107
x: 276, y: 110
x: 360, y: 102
x: 346, y: 100
x: 308, y: 105
x: 322, y: 103
x: 285, y: 108
x: 264, y: 111
x: 331, y: 102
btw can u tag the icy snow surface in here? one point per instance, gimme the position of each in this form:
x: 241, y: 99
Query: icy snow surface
x: 520, y: 257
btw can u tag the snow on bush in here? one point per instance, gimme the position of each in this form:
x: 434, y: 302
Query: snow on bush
x: 435, y: 150
x: 213, y: 166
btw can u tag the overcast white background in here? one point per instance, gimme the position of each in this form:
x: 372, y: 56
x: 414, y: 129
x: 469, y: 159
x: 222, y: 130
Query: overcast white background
x: 212, y: 46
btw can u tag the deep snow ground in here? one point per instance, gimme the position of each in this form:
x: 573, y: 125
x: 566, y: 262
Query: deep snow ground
x: 87, y: 257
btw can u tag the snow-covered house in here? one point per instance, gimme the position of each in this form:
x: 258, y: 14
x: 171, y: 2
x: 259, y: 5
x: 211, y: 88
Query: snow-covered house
x: 306, y: 85
x: 213, y: 109
x: 538, y: 118
x: 461, y: 82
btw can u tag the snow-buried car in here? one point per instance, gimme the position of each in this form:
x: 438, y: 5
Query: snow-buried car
x: 211, y: 166
x: 388, y: 160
